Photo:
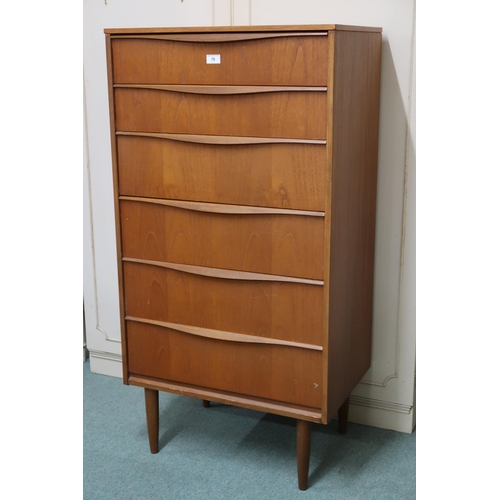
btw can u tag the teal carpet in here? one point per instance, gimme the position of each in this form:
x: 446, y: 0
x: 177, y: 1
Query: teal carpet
x: 224, y: 452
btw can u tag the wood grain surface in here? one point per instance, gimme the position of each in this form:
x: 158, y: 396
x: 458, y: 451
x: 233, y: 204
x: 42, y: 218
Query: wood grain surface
x: 287, y: 311
x: 352, y: 246
x: 280, y: 114
x: 276, y: 244
x: 293, y: 60
x: 273, y: 372
x: 267, y: 175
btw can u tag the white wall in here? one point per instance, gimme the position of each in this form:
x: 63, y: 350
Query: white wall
x: 385, y: 398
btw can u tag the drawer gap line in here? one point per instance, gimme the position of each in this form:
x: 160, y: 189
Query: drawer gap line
x: 223, y: 335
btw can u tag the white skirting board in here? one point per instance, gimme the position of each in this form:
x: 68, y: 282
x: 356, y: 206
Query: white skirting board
x: 366, y: 411
x: 105, y: 363
x: 382, y: 414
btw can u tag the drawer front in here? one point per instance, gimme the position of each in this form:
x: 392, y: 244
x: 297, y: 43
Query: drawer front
x: 272, y: 175
x: 296, y: 115
x: 285, y: 60
x: 288, y: 245
x: 280, y: 373
x: 277, y: 310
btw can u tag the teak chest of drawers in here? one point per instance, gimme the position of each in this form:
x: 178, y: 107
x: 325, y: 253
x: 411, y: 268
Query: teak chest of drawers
x: 245, y: 169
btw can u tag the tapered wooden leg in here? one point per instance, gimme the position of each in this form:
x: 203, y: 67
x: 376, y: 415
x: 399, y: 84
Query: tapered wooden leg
x: 153, y: 418
x: 343, y: 413
x: 303, y: 452
x: 206, y: 403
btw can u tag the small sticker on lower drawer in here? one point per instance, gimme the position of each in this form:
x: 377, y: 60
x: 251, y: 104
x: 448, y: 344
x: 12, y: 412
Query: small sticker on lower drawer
x: 213, y: 58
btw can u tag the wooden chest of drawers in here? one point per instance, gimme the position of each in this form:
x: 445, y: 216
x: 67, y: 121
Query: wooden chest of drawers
x: 245, y: 167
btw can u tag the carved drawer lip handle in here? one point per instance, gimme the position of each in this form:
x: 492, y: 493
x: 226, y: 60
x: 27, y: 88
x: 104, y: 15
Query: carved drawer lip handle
x: 223, y: 335
x: 218, y: 208
x: 220, y: 139
x: 228, y: 274
x: 220, y: 89
x: 217, y: 37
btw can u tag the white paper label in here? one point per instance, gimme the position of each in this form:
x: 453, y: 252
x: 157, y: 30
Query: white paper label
x: 213, y: 58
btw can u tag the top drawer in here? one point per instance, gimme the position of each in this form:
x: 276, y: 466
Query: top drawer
x: 245, y: 59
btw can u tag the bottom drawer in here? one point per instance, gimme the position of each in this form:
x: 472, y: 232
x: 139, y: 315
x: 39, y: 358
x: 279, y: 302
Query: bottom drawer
x: 280, y: 373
